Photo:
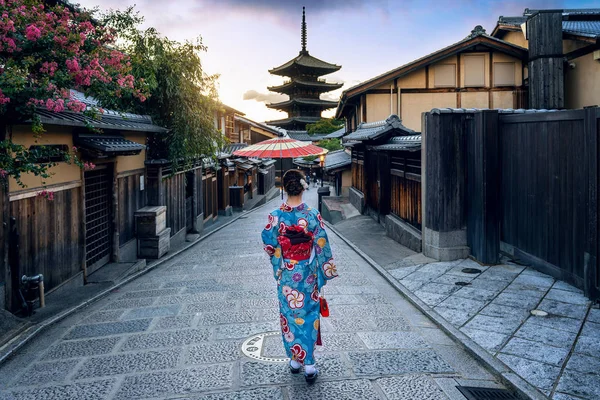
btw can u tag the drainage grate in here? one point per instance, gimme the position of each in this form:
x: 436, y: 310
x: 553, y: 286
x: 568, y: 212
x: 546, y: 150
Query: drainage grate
x: 479, y: 393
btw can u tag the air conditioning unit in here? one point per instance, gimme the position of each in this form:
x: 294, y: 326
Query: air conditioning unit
x: 597, y: 55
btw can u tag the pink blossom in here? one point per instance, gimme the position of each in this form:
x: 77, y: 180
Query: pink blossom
x: 89, y: 166
x: 72, y: 65
x: 76, y: 105
x: 3, y: 173
x: 49, y: 68
x: 46, y: 194
x: 33, y: 33
x: 55, y: 105
x: 74, y: 148
x: 3, y: 98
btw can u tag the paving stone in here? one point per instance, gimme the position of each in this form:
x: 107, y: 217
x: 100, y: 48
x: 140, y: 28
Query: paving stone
x: 273, y: 347
x: 460, y: 303
x: 534, y: 281
x: 339, y: 390
x: 151, y: 312
x: 439, y: 288
x: 497, y: 274
x: 567, y: 297
x: 594, y: 315
x: 165, y: 339
x: 461, y: 363
x: 391, y: 362
x: 546, y: 335
x: 206, y: 282
x: 104, y: 316
x: 562, y: 285
x: 457, y: 271
x: 499, y: 310
x: 151, y: 293
x: 210, y: 306
x: 534, y: 272
x: 214, y: 352
x: 41, y: 373
x: 355, y: 289
x: 81, y: 348
x: 374, y: 298
x: 373, y: 310
x: 431, y: 299
x: 129, y: 303
x: 563, y: 396
x: 469, y: 263
x: 251, y: 394
x: 242, y: 331
x: 341, y: 341
x: 538, y: 374
x: 588, y: 345
x: 476, y: 294
x: 411, y: 285
x: 578, y: 384
x: 517, y: 300
x: 488, y: 284
x: 591, y: 329
x: 435, y: 336
x: 125, y: 363
x: 505, y: 324
x: 260, y: 303
x: 491, y: 341
x: 196, y: 298
x: 226, y: 316
x: 108, y: 328
x: 563, y: 309
x: 393, y: 340
x: 342, y: 299
x: 536, y: 351
x: 423, y: 276
x: 556, y: 322
x: 454, y: 316
x: 402, y: 272
x: 180, y: 322
x: 193, y: 379
x: 438, y: 267
x: 96, y: 390
x: 450, y: 279
x: 584, y: 364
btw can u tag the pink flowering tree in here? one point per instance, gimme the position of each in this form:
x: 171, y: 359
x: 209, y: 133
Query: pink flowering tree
x: 45, y: 52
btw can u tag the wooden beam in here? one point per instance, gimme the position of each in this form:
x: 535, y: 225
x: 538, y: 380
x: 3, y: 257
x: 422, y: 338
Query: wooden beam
x: 464, y: 90
x: 491, y: 80
x: 582, y: 51
x: 427, y: 76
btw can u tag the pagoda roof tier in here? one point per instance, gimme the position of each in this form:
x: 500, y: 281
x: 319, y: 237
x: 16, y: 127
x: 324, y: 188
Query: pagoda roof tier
x: 317, y: 86
x: 293, y: 121
x: 305, y: 64
x: 316, y: 103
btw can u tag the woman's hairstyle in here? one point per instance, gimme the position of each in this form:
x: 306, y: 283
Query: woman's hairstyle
x: 293, y: 182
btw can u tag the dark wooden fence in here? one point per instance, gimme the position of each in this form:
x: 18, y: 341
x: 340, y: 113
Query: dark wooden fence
x: 358, y: 170
x: 51, y: 236
x: 266, y: 179
x: 405, y: 187
x: 523, y: 183
x: 5, y: 284
x: 174, y: 187
x: 131, y: 199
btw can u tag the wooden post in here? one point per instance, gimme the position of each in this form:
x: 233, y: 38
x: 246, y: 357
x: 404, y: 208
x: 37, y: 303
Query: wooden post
x: 483, y: 183
x: 444, y: 228
x: 591, y: 268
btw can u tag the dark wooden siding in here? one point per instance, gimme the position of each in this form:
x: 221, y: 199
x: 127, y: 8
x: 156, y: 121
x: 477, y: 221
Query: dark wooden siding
x: 131, y: 199
x: 174, y: 187
x: 406, y: 187
x: 358, y: 170
x: 4, y: 229
x: 51, y: 236
x: 545, y: 189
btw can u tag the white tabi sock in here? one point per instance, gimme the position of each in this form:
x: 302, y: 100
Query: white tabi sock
x: 310, y: 369
x: 295, y: 364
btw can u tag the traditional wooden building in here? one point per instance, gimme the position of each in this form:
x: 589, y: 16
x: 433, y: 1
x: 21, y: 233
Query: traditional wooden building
x: 304, y: 88
x: 88, y: 221
x: 337, y: 166
x: 386, y: 177
x: 251, y: 132
x: 480, y: 71
x: 568, y: 41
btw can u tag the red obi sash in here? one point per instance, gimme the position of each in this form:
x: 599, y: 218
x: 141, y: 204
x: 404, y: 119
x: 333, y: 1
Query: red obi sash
x: 296, y: 243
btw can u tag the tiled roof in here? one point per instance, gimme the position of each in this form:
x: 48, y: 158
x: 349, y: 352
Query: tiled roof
x: 337, y: 159
x: 273, y: 129
x: 376, y: 130
x: 319, y: 84
x: 303, y: 136
x: 582, y: 28
x: 108, y: 145
x: 307, y: 61
x: 232, y: 147
x: 291, y: 120
x: 406, y: 143
x: 311, y: 102
x: 305, y: 163
x: 337, y: 134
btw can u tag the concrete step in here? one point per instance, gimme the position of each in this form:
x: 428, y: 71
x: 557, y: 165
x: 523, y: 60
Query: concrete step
x: 116, y: 272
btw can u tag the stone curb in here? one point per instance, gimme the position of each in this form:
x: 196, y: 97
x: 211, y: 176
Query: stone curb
x: 497, y: 367
x: 20, y: 340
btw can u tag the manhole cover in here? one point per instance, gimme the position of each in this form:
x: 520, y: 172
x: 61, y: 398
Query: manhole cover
x: 478, y: 393
x: 471, y: 271
x: 461, y: 283
x: 254, y: 345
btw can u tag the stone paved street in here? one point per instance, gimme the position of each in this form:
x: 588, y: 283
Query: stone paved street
x: 177, y: 332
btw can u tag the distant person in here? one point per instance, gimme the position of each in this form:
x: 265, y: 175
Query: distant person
x: 308, y: 182
x: 315, y: 179
x: 297, y: 243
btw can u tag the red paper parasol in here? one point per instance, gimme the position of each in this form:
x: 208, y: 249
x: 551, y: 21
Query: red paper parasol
x: 280, y: 147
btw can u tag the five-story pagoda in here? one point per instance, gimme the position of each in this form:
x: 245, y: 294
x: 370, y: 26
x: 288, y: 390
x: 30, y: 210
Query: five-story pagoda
x: 304, y: 88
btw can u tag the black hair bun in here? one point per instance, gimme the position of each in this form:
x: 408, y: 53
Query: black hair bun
x: 291, y: 182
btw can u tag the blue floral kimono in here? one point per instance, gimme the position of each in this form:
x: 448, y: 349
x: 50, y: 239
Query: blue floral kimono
x: 296, y: 241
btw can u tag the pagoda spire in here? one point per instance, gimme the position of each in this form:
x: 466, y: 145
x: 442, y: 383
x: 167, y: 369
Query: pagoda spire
x: 303, y: 36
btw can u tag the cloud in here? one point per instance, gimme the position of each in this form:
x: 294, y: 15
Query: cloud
x: 293, y: 6
x: 264, y: 97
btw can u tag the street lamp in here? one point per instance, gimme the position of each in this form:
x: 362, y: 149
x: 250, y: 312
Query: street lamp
x: 322, y: 163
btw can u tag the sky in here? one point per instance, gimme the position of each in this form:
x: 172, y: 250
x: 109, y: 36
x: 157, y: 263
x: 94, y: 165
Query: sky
x: 246, y: 38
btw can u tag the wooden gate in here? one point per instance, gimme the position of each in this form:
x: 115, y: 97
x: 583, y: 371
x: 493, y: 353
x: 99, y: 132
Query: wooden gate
x: 372, y: 181
x: 98, y: 217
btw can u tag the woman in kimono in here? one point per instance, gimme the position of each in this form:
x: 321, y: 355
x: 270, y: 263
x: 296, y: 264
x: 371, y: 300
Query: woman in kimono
x: 296, y: 241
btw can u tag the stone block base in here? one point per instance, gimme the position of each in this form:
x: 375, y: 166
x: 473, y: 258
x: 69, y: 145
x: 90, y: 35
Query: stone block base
x: 228, y: 211
x: 445, y: 246
x: 155, y: 247
x: 357, y: 199
x: 403, y: 233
